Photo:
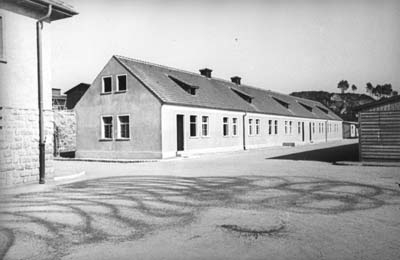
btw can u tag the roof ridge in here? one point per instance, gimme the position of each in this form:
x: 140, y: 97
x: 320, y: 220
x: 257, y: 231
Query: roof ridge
x: 184, y: 71
x: 156, y: 65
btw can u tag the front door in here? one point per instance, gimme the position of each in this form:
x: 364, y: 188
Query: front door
x: 179, y: 132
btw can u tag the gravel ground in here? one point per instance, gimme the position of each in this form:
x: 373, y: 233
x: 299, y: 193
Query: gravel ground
x: 222, y: 206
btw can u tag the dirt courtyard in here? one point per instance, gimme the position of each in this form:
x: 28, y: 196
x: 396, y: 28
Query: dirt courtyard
x: 225, y: 206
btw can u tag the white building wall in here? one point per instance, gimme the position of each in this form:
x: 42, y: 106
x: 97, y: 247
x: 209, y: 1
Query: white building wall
x: 214, y: 142
x: 18, y: 76
x: 324, y: 130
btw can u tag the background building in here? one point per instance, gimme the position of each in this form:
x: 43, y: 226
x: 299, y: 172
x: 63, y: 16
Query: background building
x: 135, y: 109
x: 380, y: 130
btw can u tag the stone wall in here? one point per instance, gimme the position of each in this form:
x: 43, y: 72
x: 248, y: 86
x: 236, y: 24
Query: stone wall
x: 64, y: 131
x: 19, y: 145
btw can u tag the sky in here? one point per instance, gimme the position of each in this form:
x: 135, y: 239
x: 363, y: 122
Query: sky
x: 284, y: 46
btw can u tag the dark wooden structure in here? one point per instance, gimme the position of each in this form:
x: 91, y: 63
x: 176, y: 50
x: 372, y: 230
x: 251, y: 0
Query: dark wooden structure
x: 379, y: 130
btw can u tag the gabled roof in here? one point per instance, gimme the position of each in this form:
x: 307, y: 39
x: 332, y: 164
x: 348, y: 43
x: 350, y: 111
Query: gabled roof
x: 218, y: 93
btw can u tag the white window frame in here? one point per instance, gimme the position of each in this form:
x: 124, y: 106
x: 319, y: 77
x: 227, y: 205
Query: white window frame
x: 257, y: 127
x: 276, y: 129
x: 234, y: 126
x: 119, y: 127
x: 290, y: 127
x: 225, y: 124
x: 195, y: 126
x: 206, y: 124
x: 286, y: 127
x: 103, y: 137
x: 298, y: 127
x: 102, y: 85
x: 126, y: 82
x: 269, y: 126
x: 251, y: 126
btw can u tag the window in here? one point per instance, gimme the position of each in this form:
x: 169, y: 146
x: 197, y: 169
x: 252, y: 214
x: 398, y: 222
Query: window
x: 270, y: 127
x: 107, y: 127
x: 257, y: 126
x: 299, y: 127
x: 313, y: 128
x: 276, y: 127
x: 250, y: 126
x: 185, y: 86
x: 225, y: 126
x: 234, y: 126
x: 123, y: 127
x: 281, y: 102
x: 309, y: 108
x: 319, y: 127
x: 121, y: 83
x: 107, y: 84
x: 243, y: 95
x: 2, y: 51
x: 286, y: 129
x: 204, y: 125
x: 193, y: 126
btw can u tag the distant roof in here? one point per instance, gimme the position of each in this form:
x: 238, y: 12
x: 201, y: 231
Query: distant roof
x: 220, y: 94
x: 381, y: 102
x: 79, y: 87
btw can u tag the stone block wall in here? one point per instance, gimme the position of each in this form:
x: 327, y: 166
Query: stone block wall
x: 64, y: 131
x: 19, y: 145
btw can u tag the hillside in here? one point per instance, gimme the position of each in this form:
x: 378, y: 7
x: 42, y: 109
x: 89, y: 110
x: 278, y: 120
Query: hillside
x: 341, y: 104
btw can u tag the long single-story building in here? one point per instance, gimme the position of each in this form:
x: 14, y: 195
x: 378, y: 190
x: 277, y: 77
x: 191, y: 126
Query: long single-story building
x: 379, y: 139
x: 135, y: 109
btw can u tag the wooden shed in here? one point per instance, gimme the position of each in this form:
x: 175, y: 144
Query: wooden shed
x: 379, y: 130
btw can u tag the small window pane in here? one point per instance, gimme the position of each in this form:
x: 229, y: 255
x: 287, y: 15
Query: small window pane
x: 122, y: 83
x: 234, y: 126
x: 204, y: 126
x: 123, y: 126
x: 107, y: 127
x: 193, y: 125
x: 107, y: 84
x: 225, y: 126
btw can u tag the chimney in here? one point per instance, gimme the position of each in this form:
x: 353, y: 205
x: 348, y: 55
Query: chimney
x: 206, y: 72
x: 236, y: 80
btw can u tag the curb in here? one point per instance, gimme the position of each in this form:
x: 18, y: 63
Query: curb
x: 104, y: 160
x: 69, y: 177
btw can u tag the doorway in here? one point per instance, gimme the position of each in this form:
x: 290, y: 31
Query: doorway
x: 179, y: 132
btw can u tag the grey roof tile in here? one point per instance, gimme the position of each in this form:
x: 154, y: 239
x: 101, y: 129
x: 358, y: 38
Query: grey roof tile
x: 218, y: 93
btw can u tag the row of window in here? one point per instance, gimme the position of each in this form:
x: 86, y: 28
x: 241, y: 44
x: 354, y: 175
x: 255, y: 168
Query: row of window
x: 205, y: 126
x: 107, y: 84
x: 107, y: 131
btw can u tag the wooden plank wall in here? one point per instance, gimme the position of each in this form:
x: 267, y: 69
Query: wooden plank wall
x: 380, y: 136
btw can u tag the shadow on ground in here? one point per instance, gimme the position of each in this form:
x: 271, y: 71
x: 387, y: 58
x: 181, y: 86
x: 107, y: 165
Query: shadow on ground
x: 128, y: 208
x: 332, y: 154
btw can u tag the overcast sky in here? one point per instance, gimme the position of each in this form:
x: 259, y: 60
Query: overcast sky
x: 284, y: 46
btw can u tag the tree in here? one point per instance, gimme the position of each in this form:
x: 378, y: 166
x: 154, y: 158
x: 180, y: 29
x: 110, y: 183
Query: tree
x: 343, y: 85
x: 377, y: 91
x: 387, y: 90
x: 395, y: 93
x: 353, y: 88
x: 369, y: 88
